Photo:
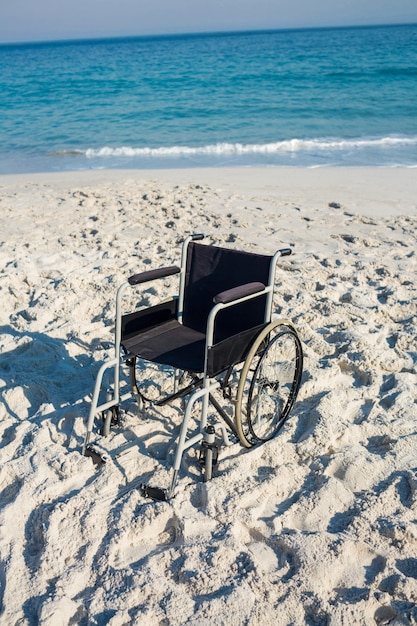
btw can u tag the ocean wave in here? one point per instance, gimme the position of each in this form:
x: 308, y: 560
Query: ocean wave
x: 218, y: 149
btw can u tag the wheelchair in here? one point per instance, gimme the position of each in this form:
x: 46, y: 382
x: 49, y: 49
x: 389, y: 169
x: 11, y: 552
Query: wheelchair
x: 219, y: 342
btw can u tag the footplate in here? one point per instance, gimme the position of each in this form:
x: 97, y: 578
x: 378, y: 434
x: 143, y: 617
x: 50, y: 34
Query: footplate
x: 155, y: 493
x: 98, y: 457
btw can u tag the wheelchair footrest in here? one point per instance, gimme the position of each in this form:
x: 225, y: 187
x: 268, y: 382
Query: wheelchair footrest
x: 98, y: 457
x: 155, y: 493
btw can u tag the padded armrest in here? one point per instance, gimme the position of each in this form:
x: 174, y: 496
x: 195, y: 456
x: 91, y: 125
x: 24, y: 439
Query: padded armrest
x: 238, y: 292
x: 144, y: 277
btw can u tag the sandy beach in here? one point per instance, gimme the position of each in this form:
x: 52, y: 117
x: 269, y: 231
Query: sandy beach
x: 318, y: 526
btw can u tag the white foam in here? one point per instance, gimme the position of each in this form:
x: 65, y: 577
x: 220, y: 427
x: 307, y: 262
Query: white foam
x: 219, y: 149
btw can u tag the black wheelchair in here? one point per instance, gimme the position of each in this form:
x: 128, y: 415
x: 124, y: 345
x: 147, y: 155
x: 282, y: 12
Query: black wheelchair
x: 221, y: 345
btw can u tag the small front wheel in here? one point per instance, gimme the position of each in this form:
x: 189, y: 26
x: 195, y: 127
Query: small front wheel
x: 208, y: 466
x: 111, y: 417
x: 269, y: 383
x: 107, y: 419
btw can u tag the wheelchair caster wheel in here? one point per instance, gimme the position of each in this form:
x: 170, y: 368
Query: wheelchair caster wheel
x: 208, y: 465
x: 111, y: 417
x: 209, y: 453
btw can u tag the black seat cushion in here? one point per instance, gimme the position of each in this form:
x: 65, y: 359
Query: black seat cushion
x: 170, y: 343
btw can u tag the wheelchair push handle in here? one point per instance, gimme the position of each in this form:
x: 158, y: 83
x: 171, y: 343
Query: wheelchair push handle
x: 197, y: 237
x: 285, y: 251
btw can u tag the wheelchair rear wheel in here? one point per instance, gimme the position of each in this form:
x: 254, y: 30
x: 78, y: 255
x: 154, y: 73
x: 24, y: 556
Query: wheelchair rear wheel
x: 269, y: 383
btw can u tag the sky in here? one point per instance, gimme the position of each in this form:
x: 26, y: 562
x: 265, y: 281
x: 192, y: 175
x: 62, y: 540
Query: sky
x: 44, y: 20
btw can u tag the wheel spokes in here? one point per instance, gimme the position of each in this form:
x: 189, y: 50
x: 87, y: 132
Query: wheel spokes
x: 271, y: 384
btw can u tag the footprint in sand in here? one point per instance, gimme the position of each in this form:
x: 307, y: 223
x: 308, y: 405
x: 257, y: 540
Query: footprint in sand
x: 152, y: 534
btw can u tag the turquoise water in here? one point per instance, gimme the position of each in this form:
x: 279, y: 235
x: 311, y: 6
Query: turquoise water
x: 307, y: 98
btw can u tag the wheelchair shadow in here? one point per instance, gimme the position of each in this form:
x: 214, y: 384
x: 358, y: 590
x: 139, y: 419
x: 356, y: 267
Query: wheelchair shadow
x: 149, y: 436
x: 48, y: 380
x: 39, y: 377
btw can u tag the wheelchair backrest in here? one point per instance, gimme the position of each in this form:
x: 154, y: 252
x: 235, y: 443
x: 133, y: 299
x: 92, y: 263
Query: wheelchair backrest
x: 211, y: 270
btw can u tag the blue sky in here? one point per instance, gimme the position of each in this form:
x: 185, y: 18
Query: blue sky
x: 37, y: 20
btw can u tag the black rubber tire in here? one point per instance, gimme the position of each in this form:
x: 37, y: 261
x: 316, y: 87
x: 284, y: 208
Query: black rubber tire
x: 107, y: 421
x: 269, y: 383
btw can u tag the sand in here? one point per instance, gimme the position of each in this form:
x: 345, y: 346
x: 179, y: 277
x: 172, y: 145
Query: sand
x: 317, y: 526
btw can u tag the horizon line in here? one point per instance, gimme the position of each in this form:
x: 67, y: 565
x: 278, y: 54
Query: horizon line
x: 210, y: 33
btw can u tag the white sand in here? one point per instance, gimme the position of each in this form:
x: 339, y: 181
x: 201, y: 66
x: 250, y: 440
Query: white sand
x: 316, y: 527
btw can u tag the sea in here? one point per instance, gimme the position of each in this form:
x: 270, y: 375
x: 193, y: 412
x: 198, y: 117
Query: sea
x: 304, y: 98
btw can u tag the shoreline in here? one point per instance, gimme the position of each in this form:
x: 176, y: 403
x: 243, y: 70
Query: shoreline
x: 372, y: 190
